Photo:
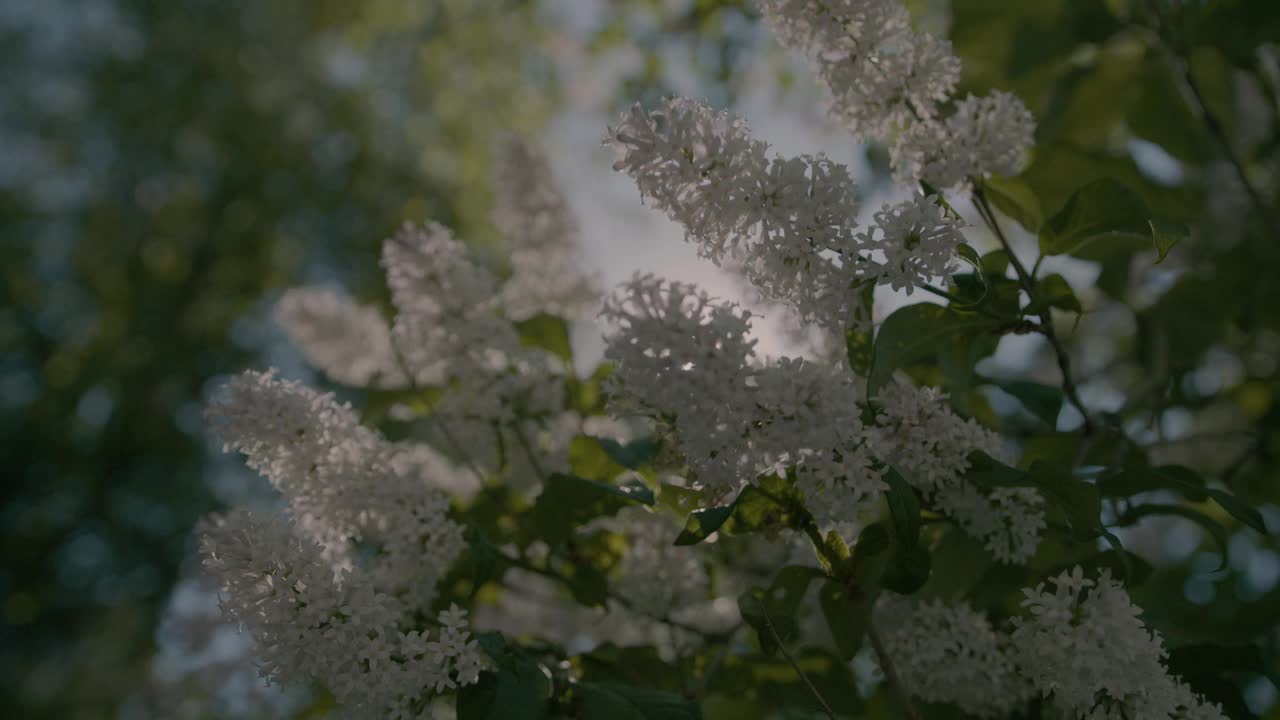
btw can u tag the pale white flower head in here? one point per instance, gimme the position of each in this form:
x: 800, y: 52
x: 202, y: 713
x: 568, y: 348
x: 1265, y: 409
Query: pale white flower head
x: 919, y: 435
x: 1083, y: 646
x: 308, y: 626
x: 985, y: 135
x: 532, y: 214
x: 951, y: 654
x: 350, y: 343
x: 685, y: 359
x: 877, y: 71
x: 918, y: 237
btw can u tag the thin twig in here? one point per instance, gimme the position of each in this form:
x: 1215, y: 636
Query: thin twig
x: 1027, y: 282
x: 796, y: 666
x: 1196, y: 103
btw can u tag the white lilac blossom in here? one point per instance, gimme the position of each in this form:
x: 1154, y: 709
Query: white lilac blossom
x: 350, y: 343
x: 454, y: 325
x: 448, y: 323
x: 951, y: 654
x: 684, y: 358
x: 920, y: 436
x: 789, y: 222
x: 1084, y: 647
x: 918, y: 237
x: 989, y: 134
x: 655, y: 576
x: 343, y: 482
x: 341, y: 632
x: 877, y: 71
x: 541, y: 233
x: 881, y: 77
x: 806, y: 415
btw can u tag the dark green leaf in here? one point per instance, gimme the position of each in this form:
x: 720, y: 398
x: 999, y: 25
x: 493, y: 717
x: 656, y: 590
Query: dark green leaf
x: 568, y: 501
x: 904, y: 508
x: 517, y: 690
x: 907, y: 570
x: 1239, y: 509
x: 614, y: 701
x: 548, y: 332
x: 702, y: 523
x: 1043, y: 401
x: 482, y: 557
x: 632, y: 455
x: 847, y: 617
x: 924, y: 331
x: 1166, y: 235
x: 1053, y: 292
x: 1105, y: 210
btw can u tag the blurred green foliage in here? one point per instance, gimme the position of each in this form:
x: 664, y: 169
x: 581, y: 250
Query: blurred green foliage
x: 163, y: 166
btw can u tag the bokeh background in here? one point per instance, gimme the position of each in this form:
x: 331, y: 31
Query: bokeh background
x: 166, y: 168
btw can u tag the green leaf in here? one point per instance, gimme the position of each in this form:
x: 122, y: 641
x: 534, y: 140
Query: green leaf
x: 588, y: 586
x: 568, y: 501
x: 1043, y: 401
x: 924, y: 331
x: 1186, y: 481
x: 632, y: 455
x: 517, y: 690
x: 1015, y: 199
x: 908, y: 569
x: 1053, y: 291
x: 1239, y: 509
x: 1103, y: 210
x: 904, y: 508
x: 614, y: 701
x: 847, y: 617
x: 482, y: 557
x: 771, y: 503
x: 702, y: 523
x: 1166, y: 235
x: 1078, y: 500
x: 549, y: 332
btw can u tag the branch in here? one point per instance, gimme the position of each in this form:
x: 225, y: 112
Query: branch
x: 1027, y: 281
x: 796, y: 666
